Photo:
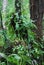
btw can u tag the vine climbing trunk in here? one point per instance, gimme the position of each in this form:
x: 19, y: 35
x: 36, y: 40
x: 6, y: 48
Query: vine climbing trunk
x: 18, y: 10
x: 19, y: 20
x: 18, y: 13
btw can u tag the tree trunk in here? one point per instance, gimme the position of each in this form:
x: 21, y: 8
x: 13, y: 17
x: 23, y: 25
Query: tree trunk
x: 39, y: 26
x: 36, y: 15
x: 4, y: 12
x: 39, y: 20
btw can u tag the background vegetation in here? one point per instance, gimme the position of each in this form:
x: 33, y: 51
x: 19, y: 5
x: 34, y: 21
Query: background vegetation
x: 18, y: 42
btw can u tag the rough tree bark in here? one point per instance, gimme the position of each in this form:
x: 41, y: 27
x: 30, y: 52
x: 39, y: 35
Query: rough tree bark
x: 36, y: 14
x: 39, y: 20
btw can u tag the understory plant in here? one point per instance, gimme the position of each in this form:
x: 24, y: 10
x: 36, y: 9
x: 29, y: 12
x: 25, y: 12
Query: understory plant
x: 20, y: 48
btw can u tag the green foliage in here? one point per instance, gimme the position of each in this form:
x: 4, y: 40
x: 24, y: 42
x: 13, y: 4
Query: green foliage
x: 1, y: 40
x: 26, y: 22
x: 28, y: 52
x: 21, y: 58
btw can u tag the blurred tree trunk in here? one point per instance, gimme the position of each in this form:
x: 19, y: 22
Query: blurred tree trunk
x: 3, y: 19
x: 4, y: 12
x: 39, y: 26
x: 39, y: 20
x: 36, y: 15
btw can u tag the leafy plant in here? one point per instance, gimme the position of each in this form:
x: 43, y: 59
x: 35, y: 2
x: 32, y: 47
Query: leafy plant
x: 26, y: 49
